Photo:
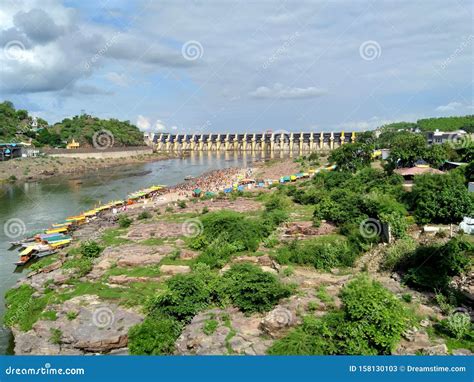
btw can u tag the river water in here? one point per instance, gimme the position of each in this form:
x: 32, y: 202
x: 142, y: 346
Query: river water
x: 39, y: 204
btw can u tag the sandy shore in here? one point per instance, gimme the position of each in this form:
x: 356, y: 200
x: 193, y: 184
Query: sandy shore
x: 27, y: 169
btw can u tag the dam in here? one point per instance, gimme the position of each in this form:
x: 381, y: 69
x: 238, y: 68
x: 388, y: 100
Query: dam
x: 255, y: 142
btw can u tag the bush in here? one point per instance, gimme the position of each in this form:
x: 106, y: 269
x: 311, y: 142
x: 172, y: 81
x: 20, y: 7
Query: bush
x: 458, y: 324
x: 370, y: 323
x: 124, y: 221
x: 432, y: 267
x: 181, y: 204
x: 251, y: 289
x: 154, y: 336
x: 325, y: 252
x: 144, y: 215
x: 218, y: 253
x: 186, y: 295
x: 396, y: 252
x: 243, y: 234
x: 90, y: 249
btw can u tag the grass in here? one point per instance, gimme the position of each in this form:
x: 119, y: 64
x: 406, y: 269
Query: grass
x: 210, y: 326
x: 452, y: 343
x: 49, y: 315
x: 230, y: 335
x: 153, y: 241
x: 111, y: 237
x: 71, y: 315
x: 56, y: 335
x: 323, y: 295
x: 43, y: 263
x: 133, y: 295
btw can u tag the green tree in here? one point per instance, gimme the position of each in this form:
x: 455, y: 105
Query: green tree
x: 352, y: 156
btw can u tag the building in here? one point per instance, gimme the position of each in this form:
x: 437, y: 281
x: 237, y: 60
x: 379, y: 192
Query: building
x: 439, y: 137
x: 467, y: 225
x: 10, y: 151
x: 72, y: 145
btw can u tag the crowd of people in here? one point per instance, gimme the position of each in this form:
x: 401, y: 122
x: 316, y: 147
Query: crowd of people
x: 213, y: 181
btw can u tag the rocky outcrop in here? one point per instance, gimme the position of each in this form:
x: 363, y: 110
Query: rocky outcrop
x: 278, y: 321
x: 84, y: 325
x: 129, y: 255
x: 234, y: 333
x: 172, y: 270
x: 155, y: 230
x: 304, y: 230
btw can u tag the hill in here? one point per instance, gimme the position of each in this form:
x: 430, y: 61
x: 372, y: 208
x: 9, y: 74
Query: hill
x: 17, y: 125
x: 431, y: 124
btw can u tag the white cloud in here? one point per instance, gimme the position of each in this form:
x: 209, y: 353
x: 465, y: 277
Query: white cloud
x: 143, y: 123
x: 117, y: 79
x: 279, y: 91
x: 159, y: 125
x: 449, y: 107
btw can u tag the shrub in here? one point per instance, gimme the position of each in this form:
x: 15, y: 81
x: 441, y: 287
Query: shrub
x: 218, y: 253
x: 251, y: 289
x: 432, y: 267
x: 90, y: 249
x: 56, y: 335
x: 154, y: 336
x: 396, y: 252
x: 325, y: 252
x: 458, y: 324
x: 181, y: 204
x: 370, y: 323
x: 243, y: 234
x: 210, y: 327
x: 144, y: 215
x: 124, y: 221
x: 186, y: 295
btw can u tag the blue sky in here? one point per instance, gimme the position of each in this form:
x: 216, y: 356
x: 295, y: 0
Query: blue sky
x: 223, y: 66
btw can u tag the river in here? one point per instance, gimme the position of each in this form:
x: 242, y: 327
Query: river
x: 39, y: 204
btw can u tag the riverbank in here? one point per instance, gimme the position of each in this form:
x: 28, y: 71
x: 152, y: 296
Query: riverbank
x: 32, y: 169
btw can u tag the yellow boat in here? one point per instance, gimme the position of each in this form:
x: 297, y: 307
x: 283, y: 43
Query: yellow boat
x: 293, y: 178
x: 56, y: 230
x: 61, y: 243
x: 62, y: 225
x: 75, y: 218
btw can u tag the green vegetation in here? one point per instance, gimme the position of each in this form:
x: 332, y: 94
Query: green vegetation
x: 370, y: 323
x: 440, y: 198
x: 124, y: 221
x: 56, y: 335
x: 90, y: 249
x: 432, y: 267
x: 210, y: 326
x: 16, y: 126
x: 323, y: 252
x: 143, y: 215
x: 154, y: 336
x: 23, y: 309
x: 251, y: 289
x: 432, y: 124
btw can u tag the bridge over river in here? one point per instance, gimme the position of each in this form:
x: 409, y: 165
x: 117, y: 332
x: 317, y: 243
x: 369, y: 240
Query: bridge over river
x: 278, y: 141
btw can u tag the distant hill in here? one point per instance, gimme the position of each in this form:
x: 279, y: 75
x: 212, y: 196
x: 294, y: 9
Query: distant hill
x: 82, y: 129
x: 431, y: 124
x: 16, y: 126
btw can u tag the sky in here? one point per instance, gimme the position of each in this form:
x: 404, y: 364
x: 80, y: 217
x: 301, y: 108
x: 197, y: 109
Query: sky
x: 239, y: 66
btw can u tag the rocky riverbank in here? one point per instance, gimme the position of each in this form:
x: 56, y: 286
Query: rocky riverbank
x: 72, y: 305
x: 31, y: 169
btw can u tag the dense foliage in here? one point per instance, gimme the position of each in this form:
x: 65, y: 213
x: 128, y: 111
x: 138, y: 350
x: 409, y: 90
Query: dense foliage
x: 251, y: 289
x: 16, y: 125
x: 352, y: 157
x: 432, y: 124
x: 440, y: 198
x: 370, y: 322
x: 154, y: 336
x: 325, y: 252
x: 432, y: 267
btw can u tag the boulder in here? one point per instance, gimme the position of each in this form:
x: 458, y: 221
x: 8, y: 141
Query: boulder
x: 174, y: 269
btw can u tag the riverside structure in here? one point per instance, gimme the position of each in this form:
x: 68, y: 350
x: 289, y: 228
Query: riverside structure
x: 258, y: 142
